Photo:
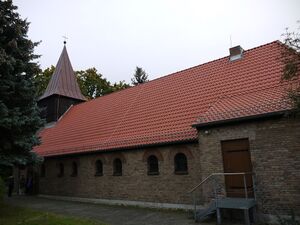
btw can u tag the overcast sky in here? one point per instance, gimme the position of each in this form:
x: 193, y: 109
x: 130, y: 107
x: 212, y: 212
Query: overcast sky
x: 161, y: 36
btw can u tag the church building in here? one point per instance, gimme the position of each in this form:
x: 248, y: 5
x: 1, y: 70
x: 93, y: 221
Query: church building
x: 219, y: 131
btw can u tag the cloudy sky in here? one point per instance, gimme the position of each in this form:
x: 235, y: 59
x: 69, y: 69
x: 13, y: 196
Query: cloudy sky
x: 162, y: 36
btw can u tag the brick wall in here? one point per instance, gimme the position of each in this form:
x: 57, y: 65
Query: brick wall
x: 275, y: 156
x: 134, y: 184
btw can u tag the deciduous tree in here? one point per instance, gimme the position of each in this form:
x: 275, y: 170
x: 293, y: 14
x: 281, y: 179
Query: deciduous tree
x: 117, y: 86
x: 42, y: 79
x: 92, y: 83
x: 291, y: 69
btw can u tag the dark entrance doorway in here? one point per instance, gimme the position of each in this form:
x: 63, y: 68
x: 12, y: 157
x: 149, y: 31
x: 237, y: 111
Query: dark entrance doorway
x: 237, y: 159
x: 31, y: 185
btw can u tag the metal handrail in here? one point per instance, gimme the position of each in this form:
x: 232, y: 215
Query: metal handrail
x: 215, y: 191
x: 198, y: 185
x: 216, y: 174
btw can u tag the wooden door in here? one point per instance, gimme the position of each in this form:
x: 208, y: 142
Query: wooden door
x: 236, y: 159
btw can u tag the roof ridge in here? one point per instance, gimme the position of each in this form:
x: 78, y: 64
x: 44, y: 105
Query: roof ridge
x: 174, y: 73
x: 205, y: 63
x: 106, y: 95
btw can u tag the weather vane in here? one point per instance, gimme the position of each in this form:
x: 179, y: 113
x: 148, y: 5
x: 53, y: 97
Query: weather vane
x: 65, y: 39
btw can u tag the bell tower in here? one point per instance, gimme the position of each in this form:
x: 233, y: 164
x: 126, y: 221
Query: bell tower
x: 62, y: 90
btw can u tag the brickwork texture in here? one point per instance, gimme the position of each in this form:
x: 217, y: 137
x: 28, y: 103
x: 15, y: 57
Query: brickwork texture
x: 275, y: 156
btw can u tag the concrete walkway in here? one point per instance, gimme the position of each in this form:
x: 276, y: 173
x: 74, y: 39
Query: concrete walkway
x: 112, y: 215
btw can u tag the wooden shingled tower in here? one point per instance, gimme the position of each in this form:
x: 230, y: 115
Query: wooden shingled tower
x: 62, y: 90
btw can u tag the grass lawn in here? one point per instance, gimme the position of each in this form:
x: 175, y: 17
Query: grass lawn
x: 11, y: 215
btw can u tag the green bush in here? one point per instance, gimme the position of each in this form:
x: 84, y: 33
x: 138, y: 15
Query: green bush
x: 291, y: 220
x: 2, y: 189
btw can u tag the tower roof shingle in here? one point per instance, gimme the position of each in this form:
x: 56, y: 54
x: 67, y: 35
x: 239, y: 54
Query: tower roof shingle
x: 63, y: 81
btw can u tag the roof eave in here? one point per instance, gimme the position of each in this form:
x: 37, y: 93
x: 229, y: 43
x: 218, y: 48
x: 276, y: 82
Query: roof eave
x: 240, y: 119
x: 128, y: 148
x: 83, y: 99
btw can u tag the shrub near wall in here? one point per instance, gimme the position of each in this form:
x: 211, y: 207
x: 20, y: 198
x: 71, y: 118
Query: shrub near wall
x: 2, y: 189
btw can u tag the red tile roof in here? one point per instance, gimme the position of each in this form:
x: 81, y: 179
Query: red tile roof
x: 163, y: 110
x: 63, y: 81
x: 260, y: 102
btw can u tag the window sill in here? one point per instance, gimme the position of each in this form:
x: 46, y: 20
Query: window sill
x: 181, y: 172
x: 117, y: 174
x: 153, y: 173
x: 98, y: 174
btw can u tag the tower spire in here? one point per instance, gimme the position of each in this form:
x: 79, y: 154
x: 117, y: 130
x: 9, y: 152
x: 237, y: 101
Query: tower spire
x: 62, y: 90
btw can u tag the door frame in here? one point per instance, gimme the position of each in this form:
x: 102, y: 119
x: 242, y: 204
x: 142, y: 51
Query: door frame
x: 229, y: 179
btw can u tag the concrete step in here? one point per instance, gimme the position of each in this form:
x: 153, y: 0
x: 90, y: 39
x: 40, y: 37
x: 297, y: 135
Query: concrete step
x: 236, y: 203
x: 203, y: 214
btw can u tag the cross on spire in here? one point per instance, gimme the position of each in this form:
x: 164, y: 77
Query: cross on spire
x: 65, y: 39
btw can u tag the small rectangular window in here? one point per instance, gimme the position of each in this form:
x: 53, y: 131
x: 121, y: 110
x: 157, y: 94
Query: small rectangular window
x: 152, y: 162
x: 180, y: 164
x: 117, y: 167
x: 99, y: 168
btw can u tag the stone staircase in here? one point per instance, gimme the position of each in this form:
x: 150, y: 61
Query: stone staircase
x: 203, y: 214
x: 222, y: 201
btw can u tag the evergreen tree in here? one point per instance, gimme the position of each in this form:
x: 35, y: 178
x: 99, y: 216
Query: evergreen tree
x: 19, y: 114
x: 139, y: 76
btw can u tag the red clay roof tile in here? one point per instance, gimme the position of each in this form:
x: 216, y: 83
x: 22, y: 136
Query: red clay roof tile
x: 163, y: 110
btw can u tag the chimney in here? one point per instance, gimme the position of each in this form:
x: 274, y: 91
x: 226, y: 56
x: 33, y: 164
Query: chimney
x: 235, y: 53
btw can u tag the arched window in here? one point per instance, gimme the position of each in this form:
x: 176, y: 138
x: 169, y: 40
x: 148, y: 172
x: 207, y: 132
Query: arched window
x: 152, y: 165
x: 180, y: 163
x: 43, y: 170
x: 61, y: 170
x: 99, y: 168
x: 117, y: 167
x: 74, y: 169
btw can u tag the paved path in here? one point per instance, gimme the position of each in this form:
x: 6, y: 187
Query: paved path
x: 112, y: 215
